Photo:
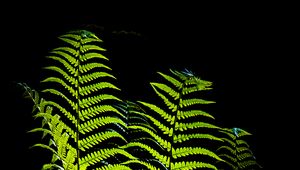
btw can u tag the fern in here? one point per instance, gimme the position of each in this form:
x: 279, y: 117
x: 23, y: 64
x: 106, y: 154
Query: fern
x: 81, y: 94
x: 175, y: 120
x: 236, y: 152
x: 90, y: 127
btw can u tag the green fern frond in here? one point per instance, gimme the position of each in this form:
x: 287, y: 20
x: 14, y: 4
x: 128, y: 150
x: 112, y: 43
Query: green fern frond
x: 193, y: 125
x: 172, y: 106
x: 93, y: 140
x: 86, y: 90
x: 51, y: 166
x: 74, y: 43
x: 58, y: 93
x: 159, y: 111
x: 232, y: 143
x: 231, y: 150
x: 166, y: 130
x: 93, y: 76
x: 172, y: 80
x: 92, y: 124
x: 89, y: 66
x: 89, y: 101
x: 237, y: 152
x: 143, y: 163
x: 69, y: 88
x: 164, y: 143
x: 70, y: 79
x: 97, y: 156
x: 193, y: 89
x: 71, y: 35
x: 68, y: 66
x: 187, y: 151
x: 89, y: 40
x: 190, y: 102
x: 69, y: 50
x: 92, y: 55
x: 68, y: 114
x: 91, y: 112
x: 63, y: 53
x: 186, y: 137
x: 242, y: 142
x: 181, y: 76
x: 85, y: 48
x: 228, y: 157
x: 162, y: 158
x: 167, y: 89
x: 248, y: 163
x: 244, y: 149
x: 192, y: 113
x: 114, y: 167
x: 185, y: 165
x: 45, y: 147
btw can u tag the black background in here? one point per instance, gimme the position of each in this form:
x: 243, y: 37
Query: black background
x: 241, y: 50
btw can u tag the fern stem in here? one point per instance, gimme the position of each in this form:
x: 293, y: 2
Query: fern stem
x: 78, y: 111
x: 175, y: 120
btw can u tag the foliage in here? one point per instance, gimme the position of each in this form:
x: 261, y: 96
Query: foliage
x: 236, y: 152
x: 89, y: 126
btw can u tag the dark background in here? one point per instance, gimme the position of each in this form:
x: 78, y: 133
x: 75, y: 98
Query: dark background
x: 241, y: 50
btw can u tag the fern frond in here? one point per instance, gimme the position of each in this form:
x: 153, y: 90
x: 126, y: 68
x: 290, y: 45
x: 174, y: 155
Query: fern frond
x: 190, y: 102
x: 63, y: 110
x: 92, y: 124
x: 58, y: 93
x: 93, y: 76
x: 162, y: 158
x: 233, y: 159
x: 184, y: 165
x: 92, y: 140
x: 242, y: 142
x: 71, y: 35
x: 248, y: 163
x: 96, y: 110
x: 97, y: 156
x: 186, y: 151
x: 172, y: 80
x: 70, y: 79
x: 193, y: 125
x: 186, y: 137
x: 172, y: 106
x: 192, y: 113
x: 86, y: 90
x: 69, y: 50
x: 74, y: 43
x: 143, y: 163
x: 160, y: 112
x: 45, y: 147
x: 89, y: 66
x: 92, y: 55
x: 232, y: 144
x: 68, y: 66
x: 89, y: 101
x: 69, y: 88
x: 51, y: 166
x: 167, y: 89
x: 231, y: 150
x: 164, y: 143
x: 114, y: 167
x: 244, y: 149
x: 88, y: 47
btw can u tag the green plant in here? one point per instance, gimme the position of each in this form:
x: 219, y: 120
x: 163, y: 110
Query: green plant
x: 87, y: 125
x: 236, y: 152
